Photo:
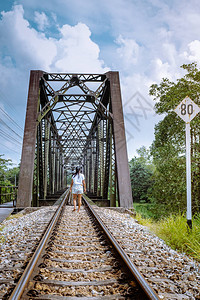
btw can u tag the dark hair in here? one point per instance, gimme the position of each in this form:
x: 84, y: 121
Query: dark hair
x: 78, y: 170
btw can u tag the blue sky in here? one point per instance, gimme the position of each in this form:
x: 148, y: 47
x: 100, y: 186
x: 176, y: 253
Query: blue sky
x: 144, y: 40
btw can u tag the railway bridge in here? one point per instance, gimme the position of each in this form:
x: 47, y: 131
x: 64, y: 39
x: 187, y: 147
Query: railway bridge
x: 77, y: 119
x: 74, y: 119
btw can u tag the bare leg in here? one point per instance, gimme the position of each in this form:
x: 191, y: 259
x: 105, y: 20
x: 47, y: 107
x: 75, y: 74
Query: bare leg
x: 79, y: 201
x: 74, y: 200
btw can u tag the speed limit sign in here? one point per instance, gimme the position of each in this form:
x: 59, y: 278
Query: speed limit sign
x: 187, y: 110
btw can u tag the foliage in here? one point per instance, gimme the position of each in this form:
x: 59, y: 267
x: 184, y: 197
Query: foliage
x: 2, y: 227
x: 4, y: 164
x: 145, y: 158
x: 145, y: 210
x: 173, y: 230
x: 169, y: 179
x: 7, y: 174
x: 2, y: 238
x: 143, y: 221
x: 16, y: 216
x: 168, y: 148
x: 141, y: 170
x: 13, y: 175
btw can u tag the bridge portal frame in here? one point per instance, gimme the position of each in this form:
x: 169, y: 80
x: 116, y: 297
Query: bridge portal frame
x: 107, y: 136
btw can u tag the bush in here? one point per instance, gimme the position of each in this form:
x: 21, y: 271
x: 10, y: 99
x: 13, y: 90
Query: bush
x: 175, y: 232
x: 144, y: 209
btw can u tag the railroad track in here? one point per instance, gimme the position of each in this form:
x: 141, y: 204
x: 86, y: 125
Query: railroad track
x: 79, y: 258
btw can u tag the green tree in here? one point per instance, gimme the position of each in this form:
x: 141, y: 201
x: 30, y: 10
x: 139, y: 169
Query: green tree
x: 13, y: 175
x: 141, y: 170
x: 4, y: 165
x: 168, y: 148
x: 145, y: 158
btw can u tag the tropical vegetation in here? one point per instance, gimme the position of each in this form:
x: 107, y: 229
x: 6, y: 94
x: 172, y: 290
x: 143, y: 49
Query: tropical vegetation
x: 158, y: 174
x: 8, y: 175
x: 161, y: 170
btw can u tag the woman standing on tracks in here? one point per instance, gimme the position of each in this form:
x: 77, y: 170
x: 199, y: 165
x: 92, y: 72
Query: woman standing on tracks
x: 77, y: 184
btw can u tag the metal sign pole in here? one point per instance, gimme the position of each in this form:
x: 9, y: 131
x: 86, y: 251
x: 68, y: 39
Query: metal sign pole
x: 188, y: 175
x: 187, y: 110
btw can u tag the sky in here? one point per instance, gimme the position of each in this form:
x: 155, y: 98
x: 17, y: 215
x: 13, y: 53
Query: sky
x: 145, y: 40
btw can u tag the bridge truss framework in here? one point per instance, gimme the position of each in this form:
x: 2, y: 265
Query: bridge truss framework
x: 74, y: 119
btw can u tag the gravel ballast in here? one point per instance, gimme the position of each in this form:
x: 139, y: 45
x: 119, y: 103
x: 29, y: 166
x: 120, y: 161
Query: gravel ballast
x: 18, y: 238
x: 171, y: 274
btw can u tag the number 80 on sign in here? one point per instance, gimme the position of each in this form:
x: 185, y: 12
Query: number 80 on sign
x: 187, y: 110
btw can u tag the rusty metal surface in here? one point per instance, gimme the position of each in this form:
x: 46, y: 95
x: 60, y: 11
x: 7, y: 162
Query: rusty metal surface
x: 123, y: 175
x: 74, y: 119
x: 25, y: 186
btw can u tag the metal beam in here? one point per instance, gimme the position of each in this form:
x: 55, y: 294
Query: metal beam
x: 123, y: 175
x: 85, y: 128
x: 24, y: 196
x: 67, y: 76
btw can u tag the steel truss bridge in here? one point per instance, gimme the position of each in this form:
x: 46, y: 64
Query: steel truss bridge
x: 74, y: 119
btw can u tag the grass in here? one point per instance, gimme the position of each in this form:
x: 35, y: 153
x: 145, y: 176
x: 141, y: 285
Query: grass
x: 175, y: 232
x: 2, y: 239
x: 2, y: 227
x: 144, y: 209
x: 143, y: 221
x: 16, y: 216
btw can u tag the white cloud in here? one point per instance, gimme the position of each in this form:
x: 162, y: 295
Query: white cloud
x: 27, y: 47
x: 193, y: 52
x: 144, y: 40
x: 73, y: 51
x: 41, y: 20
x: 23, y: 48
x: 160, y: 70
x: 128, y: 51
x: 76, y: 51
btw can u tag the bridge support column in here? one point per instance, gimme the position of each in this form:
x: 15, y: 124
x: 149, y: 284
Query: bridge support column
x: 25, y: 187
x: 121, y: 157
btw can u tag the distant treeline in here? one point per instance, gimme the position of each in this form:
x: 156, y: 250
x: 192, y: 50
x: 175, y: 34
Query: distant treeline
x: 8, y: 175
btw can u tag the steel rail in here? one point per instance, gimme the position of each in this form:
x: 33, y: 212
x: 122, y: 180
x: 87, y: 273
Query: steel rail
x: 150, y: 293
x: 19, y: 289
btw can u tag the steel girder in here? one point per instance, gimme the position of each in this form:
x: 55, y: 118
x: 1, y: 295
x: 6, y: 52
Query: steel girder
x: 74, y: 119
